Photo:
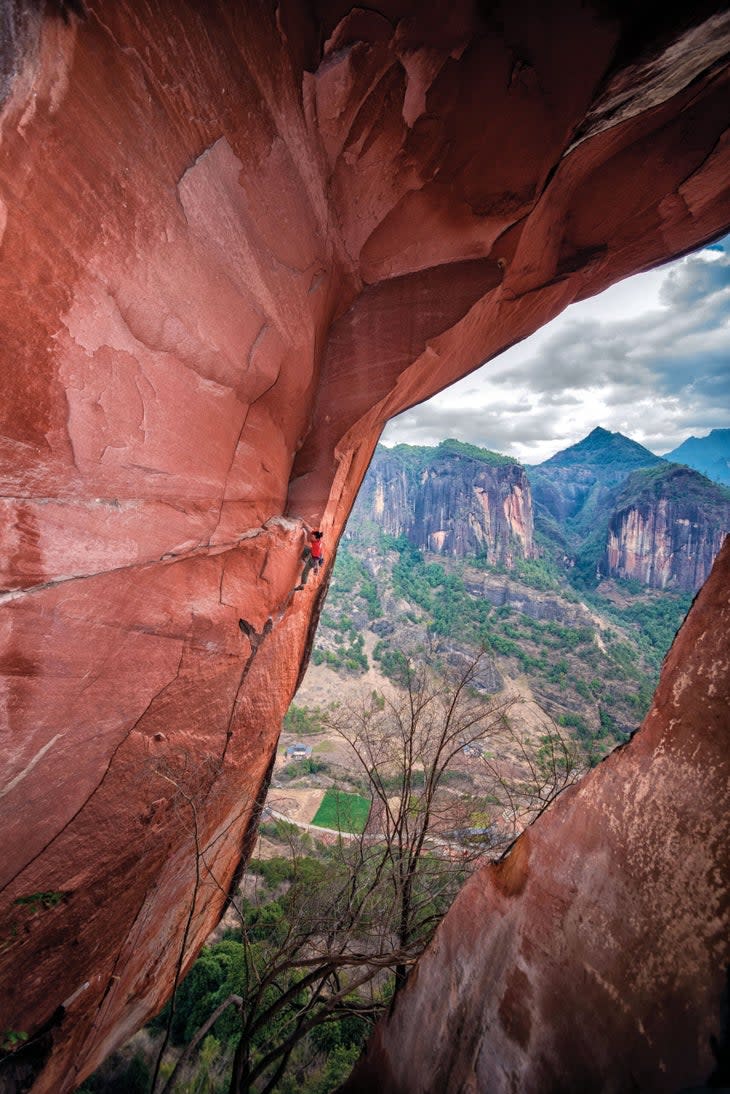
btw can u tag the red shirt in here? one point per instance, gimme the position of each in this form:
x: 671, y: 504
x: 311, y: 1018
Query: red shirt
x: 316, y: 546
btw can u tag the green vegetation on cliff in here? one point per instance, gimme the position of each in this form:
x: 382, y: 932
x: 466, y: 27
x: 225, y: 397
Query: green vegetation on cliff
x: 352, y: 579
x: 483, y: 455
x: 698, y: 500
x: 602, y: 449
x: 588, y: 648
x: 651, y: 621
x: 417, y: 457
x: 593, y: 664
x: 674, y: 483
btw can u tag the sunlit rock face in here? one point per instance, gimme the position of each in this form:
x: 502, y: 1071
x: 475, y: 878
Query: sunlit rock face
x: 448, y: 502
x: 660, y: 548
x: 235, y: 239
x: 594, y: 956
x: 668, y: 535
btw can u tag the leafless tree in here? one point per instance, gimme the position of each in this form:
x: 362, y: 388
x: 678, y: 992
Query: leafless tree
x: 315, y: 964
x: 408, y: 743
x: 539, y: 769
x: 363, y: 910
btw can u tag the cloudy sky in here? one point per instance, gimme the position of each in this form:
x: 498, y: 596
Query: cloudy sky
x: 650, y: 357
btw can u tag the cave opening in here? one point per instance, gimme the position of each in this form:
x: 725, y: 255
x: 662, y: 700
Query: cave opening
x: 588, y: 649
x: 236, y: 239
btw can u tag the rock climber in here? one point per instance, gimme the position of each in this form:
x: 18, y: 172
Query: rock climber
x: 315, y: 546
x: 313, y: 556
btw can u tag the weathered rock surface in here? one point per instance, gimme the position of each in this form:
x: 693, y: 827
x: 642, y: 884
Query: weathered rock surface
x: 448, y: 501
x: 235, y: 240
x: 667, y: 529
x: 594, y: 955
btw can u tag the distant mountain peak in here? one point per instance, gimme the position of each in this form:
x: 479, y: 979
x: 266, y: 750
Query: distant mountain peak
x: 715, y: 439
x: 710, y: 455
x: 602, y: 447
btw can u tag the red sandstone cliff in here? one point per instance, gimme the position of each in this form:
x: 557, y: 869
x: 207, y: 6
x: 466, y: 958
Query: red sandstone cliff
x: 594, y: 956
x: 452, y: 500
x: 667, y: 529
x: 236, y: 238
x: 661, y: 549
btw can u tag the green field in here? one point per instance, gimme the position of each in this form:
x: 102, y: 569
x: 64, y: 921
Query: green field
x: 342, y: 811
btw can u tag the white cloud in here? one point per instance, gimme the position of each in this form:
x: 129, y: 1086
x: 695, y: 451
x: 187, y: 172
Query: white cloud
x: 649, y: 357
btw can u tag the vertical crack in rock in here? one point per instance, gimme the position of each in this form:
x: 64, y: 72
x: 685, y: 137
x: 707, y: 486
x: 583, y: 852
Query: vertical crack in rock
x: 256, y: 639
x: 224, y: 487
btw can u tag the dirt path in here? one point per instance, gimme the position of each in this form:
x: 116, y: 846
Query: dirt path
x: 297, y: 804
